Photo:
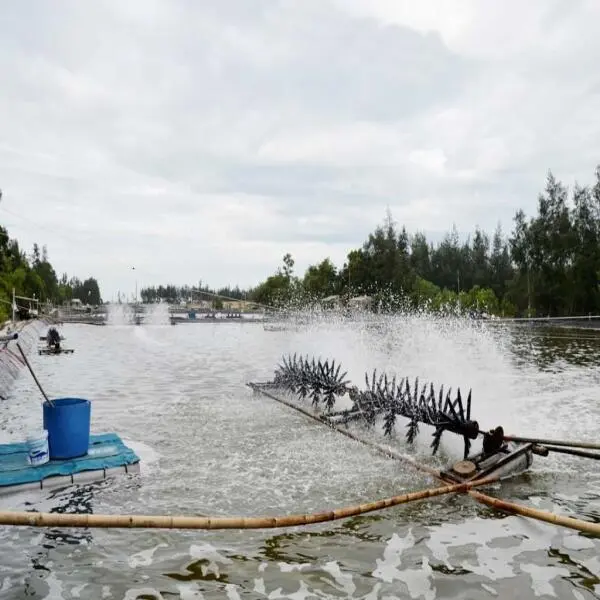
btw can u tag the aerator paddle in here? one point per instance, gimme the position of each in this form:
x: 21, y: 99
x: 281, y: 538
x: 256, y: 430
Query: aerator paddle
x: 324, y: 382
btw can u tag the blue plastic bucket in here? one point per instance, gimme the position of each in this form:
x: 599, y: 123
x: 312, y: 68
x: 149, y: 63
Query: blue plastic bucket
x: 68, y: 425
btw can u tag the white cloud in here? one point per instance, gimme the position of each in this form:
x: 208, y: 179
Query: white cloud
x: 202, y: 140
x: 433, y: 160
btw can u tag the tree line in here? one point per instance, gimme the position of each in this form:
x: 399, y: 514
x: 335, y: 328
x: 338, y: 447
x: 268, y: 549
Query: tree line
x: 174, y: 294
x: 33, y: 276
x: 548, y: 265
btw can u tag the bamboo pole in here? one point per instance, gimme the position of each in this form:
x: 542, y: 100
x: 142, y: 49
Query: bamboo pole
x: 588, y: 445
x: 540, y: 515
x: 33, y: 375
x: 36, y: 519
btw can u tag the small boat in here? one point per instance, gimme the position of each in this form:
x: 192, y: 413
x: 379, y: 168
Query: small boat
x: 53, y: 346
x: 55, y: 351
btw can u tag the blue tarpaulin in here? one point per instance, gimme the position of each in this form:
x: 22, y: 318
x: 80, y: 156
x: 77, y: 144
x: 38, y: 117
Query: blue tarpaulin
x: 15, y: 470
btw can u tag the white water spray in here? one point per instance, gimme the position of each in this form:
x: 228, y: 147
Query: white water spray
x: 120, y: 314
x: 157, y: 314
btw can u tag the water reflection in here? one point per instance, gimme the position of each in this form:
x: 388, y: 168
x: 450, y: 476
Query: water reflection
x: 580, y: 574
x: 76, y: 499
x: 553, y: 348
x: 199, y: 571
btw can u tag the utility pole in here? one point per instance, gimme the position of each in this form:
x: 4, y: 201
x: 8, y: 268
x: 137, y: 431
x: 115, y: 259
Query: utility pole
x: 528, y: 292
x: 349, y: 282
x: 135, y: 299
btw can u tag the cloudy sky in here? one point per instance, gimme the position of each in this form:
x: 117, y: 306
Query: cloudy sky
x: 199, y: 139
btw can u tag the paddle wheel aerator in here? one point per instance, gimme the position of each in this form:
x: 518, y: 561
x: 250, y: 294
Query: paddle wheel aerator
x: 324, y: 383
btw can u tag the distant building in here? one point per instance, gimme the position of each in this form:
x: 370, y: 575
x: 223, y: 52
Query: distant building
x: 331, y: 302
x: 360, y: 303
x: 235, y: 305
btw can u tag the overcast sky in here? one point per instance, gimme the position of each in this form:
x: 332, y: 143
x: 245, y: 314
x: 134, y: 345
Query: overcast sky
x: 203, y: 140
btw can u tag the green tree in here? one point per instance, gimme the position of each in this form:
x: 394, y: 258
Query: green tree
x: 382, y: 268
x: 321, y: 280
x: 424, y: 293
x: 420, y: 256
x: 586, y: 231
x: 480, y: 258
x: 280, y: 289
x: 501, y: 270
x: 447, y: 261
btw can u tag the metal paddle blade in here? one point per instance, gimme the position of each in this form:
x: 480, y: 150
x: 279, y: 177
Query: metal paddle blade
x: 323, y: 382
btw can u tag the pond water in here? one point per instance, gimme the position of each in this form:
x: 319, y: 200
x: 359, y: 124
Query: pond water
x: 209, y: 446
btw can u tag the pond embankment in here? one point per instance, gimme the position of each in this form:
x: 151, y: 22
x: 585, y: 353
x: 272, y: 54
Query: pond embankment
x: 11, y: 361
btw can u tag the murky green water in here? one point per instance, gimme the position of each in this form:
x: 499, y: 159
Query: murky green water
x: 209, y: 446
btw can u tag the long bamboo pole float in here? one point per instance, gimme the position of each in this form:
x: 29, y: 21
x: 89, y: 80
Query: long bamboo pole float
x: 535, y: 513
x: 588, y: 445
x: 36, y: 519
x: 509, y: 507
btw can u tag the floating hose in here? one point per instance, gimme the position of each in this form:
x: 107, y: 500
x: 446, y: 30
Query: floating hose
x: 37, y: 519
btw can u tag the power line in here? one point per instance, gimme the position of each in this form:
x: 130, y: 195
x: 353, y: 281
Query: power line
x: 40, y: 226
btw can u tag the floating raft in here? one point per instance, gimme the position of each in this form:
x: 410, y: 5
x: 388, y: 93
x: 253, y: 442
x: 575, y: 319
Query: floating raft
x: 53, y: 351
x: 110, y: 456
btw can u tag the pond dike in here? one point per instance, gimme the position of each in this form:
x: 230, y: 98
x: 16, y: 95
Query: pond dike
x: 11, y: 361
